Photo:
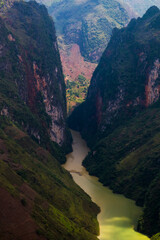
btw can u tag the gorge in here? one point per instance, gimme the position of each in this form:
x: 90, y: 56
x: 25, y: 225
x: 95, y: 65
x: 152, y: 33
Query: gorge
x: 119, y: 120
x: 120, y: 117
x: 119, y: 215
x: 84, y: 29
x: 38, y: 198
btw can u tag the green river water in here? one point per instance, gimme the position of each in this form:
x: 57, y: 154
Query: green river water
x: 119, y: 215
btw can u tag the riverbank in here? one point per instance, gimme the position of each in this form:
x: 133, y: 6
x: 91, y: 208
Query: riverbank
x: 119, y: 215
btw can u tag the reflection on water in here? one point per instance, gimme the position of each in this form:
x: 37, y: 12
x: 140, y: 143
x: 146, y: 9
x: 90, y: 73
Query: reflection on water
x: 118, y: 215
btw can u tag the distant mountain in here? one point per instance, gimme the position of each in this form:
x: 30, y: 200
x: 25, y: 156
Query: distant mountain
x: 87, y: 23
x: 140, y: 6
x: 84, y: 28
x: 120, y: 118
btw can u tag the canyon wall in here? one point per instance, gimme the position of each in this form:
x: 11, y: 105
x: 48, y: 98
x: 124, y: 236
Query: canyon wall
x: 120, y: 118
x: 126, y: 80
x: 40, y: 78
x: 38, y: 198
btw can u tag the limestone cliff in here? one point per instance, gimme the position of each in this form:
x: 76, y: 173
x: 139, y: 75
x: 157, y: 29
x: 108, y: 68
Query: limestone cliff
x: 40, y: 78
x: 38, y: 198
x: 120, y: 118
x: 126, y: 80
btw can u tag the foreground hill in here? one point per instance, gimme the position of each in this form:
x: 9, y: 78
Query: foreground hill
x: 38, y: 198
x: 120, y: 117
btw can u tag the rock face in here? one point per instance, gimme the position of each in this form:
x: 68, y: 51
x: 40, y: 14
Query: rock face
x: 39, y: 79
x: 38, y: 198
x: 84, y: 29
x: 121, y: 115
x: 126, y: 80
x: 152, y: 89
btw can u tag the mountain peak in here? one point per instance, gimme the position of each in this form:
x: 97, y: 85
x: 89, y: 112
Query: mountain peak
x: 151, y: 12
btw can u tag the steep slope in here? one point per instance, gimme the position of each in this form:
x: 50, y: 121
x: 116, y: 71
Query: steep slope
x: 120, y: 118
x: 87, y: 23
x: 84, y: 28
x: 38, y: 73
x: 38, y: 198
x: 127, y: 160
x: 126, y: 79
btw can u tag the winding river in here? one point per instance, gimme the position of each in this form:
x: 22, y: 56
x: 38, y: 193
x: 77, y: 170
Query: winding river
x: 118, y: 215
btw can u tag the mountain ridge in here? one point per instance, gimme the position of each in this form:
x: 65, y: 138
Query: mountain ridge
x: 120, y: 117
x: 39, y: 198
x: 83, y: 29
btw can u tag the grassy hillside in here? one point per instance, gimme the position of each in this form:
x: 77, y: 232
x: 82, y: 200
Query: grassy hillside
x: 76, y: 92
x: 58, y: 207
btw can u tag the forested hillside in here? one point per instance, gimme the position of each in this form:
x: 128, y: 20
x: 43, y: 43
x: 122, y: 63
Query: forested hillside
x: 120, y: 117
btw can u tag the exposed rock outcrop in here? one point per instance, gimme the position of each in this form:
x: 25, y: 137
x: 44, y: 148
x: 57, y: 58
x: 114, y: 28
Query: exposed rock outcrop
x: 39, y: 76
x: 121, y: 115
x: 152, y: 88
x: 126, y: 80
x: 38, y: 198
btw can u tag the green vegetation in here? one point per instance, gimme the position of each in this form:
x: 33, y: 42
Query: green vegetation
x: 6, y: 4
x: 88, y: 24
x: 118, y: 86
x: 156, y: 237
x: 120, y: 118
x: 31, y: 78
x: 61, y: 209
x: 76, y: 92
x: 32, y: 85
x: 128, y: 161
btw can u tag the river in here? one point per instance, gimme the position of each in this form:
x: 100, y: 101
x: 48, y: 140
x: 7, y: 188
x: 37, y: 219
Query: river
x: 118, y: 215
